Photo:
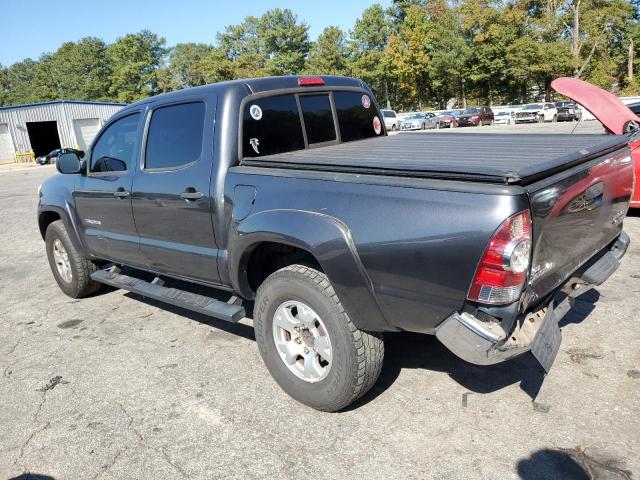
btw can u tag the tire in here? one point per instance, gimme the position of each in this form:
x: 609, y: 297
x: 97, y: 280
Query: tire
x: 555, y: 118
x: 393, y: 128
x: 540, y: 119
x: 356, y: 356
x: 78, y: 283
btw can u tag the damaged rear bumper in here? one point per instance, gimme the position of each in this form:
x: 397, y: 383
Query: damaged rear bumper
x: 486, y: 342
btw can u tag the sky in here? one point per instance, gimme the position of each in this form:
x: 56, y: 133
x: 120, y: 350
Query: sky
x: 38, y: 26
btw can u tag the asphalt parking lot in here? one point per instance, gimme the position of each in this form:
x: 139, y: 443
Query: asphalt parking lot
x: 116, y: 386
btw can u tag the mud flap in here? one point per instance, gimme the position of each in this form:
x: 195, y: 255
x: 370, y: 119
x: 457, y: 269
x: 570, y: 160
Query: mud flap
x: 547, y: 341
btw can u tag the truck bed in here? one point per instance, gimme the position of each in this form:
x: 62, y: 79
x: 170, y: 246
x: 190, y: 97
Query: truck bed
x: 491, y: 157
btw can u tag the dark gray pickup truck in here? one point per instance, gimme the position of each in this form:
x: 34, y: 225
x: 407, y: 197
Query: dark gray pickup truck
x: 287, y: 194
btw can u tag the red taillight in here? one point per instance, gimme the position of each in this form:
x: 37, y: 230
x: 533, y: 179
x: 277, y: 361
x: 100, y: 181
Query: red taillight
x: 503, y: 268
x: 306, y: 81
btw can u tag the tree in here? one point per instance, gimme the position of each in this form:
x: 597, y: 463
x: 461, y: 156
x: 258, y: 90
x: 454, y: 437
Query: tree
x: 409, y: 56
x: 329, y: 54
x: 4, y: 84
x: 285, y: 41
x: 369, y: 39
x: 134, y: 60
x: 187, y: 67
x: 19, y: 80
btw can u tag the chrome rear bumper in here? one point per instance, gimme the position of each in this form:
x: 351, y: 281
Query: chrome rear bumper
x: 486, y: 343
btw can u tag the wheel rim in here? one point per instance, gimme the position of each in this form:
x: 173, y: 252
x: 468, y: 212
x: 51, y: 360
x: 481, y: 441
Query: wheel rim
x: 302, y: 341
x: 61, y: 259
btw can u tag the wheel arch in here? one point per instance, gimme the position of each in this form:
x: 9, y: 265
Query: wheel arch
x: 314, y: 238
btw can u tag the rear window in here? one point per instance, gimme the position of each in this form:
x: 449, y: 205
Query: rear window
x: 354, y: 119
x: 318, y: 119
x: 273, y: 127
x: 388, y: 114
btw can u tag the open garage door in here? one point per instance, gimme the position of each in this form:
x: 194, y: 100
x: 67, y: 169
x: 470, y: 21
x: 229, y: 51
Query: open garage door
x: 86, y: 130
x: 7, y: 151
x: 43, y: 137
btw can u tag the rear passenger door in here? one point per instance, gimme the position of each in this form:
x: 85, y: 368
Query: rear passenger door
x: 171, y: 200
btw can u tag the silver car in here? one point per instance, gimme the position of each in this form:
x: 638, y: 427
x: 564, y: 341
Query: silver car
x: 421, y: 121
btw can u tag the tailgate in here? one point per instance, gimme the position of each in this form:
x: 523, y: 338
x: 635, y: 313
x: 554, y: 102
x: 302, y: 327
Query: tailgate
x: 575, y: 214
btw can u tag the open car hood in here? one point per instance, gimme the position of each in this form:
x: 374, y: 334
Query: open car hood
x: 606, y: 107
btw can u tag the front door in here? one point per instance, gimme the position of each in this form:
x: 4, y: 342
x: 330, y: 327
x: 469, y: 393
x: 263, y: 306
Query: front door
x: 103, y: 195
x: 171, y: 203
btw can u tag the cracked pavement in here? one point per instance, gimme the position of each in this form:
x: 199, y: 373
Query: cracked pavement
x: 154, y: 392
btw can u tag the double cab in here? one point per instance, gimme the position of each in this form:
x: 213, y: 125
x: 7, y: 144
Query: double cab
x: 283, y: 199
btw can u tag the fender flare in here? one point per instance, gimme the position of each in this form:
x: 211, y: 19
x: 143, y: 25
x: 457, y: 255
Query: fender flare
x: 61, y: 206
x: 328, y: 240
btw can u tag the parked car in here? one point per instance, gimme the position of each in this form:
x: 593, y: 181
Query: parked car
x: 449, y: 118
x: 537, y: 112
x: 616, y: 117
x: 568, y: 111
x: 391, y: 121
x: 334, y: 238
x: 503, y: 117
x: 635, y: 108
x: 53, y: 155
x: 420, y: 121
x: 476, y: 117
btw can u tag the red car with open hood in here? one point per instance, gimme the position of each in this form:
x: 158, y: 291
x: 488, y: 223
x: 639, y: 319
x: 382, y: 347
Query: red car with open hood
x: 614, y: 115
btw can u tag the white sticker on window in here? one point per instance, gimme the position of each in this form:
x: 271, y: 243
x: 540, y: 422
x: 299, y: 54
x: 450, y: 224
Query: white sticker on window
x: 377, y: 126
x: 255, y: 143
x: 256, y: 112
x: 366, y: 101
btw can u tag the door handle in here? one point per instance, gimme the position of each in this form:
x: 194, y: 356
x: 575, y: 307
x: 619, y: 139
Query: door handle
x: 121, y: 193
x: 191, y: 194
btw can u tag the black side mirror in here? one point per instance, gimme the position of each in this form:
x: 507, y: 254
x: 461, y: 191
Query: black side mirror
x: 68, y: 163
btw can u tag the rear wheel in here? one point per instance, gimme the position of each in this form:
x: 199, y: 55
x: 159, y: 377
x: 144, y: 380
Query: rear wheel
x: 540, y: 118
x: 308, y: 342
x: 70, y: 269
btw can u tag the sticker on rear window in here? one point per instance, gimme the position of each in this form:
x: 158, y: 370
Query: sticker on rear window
x: 377, y: 127
x: 366, y: 101
x: 256, y: 112
x: 254, y: 142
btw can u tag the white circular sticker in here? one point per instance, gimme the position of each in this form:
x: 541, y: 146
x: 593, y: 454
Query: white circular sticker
x: 366, y: 101
x: 377, y: 126
x: 256, y: 112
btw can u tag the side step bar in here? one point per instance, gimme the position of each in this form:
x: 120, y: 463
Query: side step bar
x: 180, y: 298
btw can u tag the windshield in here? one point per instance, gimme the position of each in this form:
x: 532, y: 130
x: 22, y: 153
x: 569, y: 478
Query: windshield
x: 533, y: 106
x: 414, y: 116
x: 471, y: 110
x: 503, y: 113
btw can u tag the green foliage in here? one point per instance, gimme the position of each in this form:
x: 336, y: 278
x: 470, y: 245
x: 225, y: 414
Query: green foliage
x: 415, y: 54
x: 134, y: 60
x: 329, y: 54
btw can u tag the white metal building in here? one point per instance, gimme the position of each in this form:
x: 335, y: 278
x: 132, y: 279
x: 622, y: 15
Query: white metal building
x: 43, y: 127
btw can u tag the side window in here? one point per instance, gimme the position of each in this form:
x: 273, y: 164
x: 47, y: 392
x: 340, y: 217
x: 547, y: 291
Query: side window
x: 271, y: 125
x: 175, y: 136
x: 114, y: 150
x: 318, y: 119
x: 356, y: 115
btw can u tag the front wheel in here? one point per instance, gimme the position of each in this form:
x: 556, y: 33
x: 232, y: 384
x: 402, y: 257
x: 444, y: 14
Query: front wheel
x: 308, y: 342
x: 70, y: 269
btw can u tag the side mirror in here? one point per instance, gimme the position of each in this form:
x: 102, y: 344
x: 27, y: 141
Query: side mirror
x: 68, y: 163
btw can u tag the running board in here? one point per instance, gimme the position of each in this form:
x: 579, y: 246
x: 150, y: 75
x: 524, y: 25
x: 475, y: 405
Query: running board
x: 230, y: 312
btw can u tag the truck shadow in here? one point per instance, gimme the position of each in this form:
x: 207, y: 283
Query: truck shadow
x: 405, y: 350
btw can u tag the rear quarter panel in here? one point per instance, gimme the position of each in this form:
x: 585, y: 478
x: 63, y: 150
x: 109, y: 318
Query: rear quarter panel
x: 418, y: 240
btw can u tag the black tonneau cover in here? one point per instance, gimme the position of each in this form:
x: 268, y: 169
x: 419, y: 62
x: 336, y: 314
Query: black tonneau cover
x: 490, y: 157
